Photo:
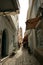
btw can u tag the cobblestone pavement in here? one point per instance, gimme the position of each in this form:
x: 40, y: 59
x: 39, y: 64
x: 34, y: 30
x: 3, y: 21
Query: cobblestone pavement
x: 22, y: 58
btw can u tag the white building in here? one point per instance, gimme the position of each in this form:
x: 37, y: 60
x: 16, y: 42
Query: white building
x: 16, y: 23
x: 7, y: 30
x: 35, y: 25
x: 8, y: 27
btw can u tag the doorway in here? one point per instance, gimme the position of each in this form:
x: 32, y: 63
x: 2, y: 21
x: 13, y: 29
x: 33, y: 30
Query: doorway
x: 4, y: 44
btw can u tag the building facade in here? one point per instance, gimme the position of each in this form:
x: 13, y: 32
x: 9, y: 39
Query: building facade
x: 16, y: 23
x: 7, y: 30
x: 8, y: 27
x: 35, y: 25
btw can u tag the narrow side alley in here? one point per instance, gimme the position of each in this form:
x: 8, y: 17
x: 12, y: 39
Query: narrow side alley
x: 21, y: 32
x: 22, y: 57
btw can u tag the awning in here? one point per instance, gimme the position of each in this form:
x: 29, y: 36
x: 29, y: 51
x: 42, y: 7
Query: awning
x: 9, y: 6
x: 31, y: 23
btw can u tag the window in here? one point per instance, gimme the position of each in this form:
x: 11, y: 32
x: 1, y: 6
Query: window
x: 39, y: 38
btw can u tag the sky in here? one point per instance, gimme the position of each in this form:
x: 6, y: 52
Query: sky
x: 23, y: 14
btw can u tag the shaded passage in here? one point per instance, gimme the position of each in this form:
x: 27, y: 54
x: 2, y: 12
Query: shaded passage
x: 22, y: 58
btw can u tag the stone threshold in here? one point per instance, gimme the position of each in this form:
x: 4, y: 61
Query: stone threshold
x: 4, y: 59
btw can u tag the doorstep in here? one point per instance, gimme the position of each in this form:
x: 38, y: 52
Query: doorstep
x: 3, y: 59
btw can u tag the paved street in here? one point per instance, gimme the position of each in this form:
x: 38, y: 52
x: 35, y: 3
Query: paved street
x: 22, y: 58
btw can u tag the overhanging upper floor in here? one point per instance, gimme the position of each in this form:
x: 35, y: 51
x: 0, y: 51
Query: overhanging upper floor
x: 9, y: 6
x: 31, y: 23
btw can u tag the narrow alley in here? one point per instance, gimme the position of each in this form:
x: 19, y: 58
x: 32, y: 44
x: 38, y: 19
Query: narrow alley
x: 21, y: 32
x: 22, y: 57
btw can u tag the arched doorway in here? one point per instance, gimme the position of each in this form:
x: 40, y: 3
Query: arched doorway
x: 4, y: 44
